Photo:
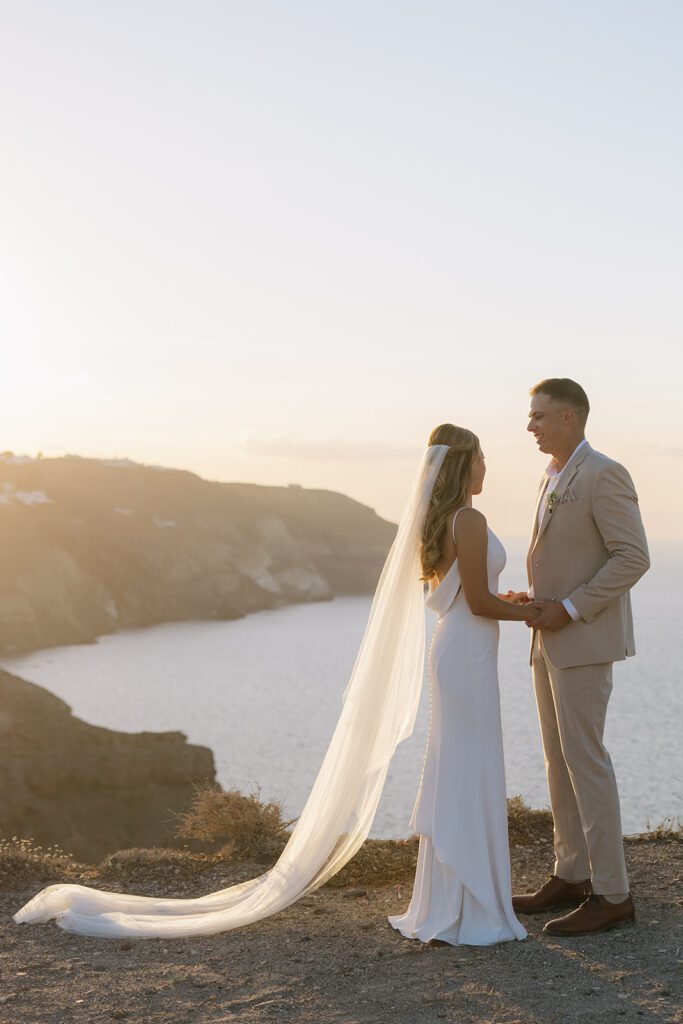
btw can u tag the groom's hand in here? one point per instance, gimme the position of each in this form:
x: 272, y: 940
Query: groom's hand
x: 552, y: 615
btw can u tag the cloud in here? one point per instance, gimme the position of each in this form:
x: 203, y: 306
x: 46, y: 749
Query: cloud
x: 326, y: 449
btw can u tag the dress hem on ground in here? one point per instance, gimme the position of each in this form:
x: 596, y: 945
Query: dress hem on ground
x: 442, y: 908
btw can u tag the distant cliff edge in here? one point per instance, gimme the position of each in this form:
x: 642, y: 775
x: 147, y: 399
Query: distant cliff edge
x: 89, y: 789
x: 90, y: 546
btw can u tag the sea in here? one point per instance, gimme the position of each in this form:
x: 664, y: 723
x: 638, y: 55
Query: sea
x: 265, y: 693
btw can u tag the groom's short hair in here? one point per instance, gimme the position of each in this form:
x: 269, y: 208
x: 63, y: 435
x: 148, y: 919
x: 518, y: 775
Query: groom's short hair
x: 562, y: 389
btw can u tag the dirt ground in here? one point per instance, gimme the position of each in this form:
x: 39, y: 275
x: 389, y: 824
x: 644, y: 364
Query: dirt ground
x: 332, y: 958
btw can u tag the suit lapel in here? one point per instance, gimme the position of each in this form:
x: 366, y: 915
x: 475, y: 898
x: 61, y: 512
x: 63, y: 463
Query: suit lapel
x: 541, y: 490
x: 559, y: 491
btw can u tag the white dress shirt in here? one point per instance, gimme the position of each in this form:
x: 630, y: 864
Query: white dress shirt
x: 553, y: 477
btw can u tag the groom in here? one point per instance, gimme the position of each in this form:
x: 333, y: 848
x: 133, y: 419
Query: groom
x: 588, y: 548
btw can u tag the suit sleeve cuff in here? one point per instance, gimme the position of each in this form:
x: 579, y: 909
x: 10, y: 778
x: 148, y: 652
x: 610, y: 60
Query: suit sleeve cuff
x: 571, y: 610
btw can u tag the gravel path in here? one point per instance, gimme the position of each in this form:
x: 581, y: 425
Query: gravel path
x: 332, y: 958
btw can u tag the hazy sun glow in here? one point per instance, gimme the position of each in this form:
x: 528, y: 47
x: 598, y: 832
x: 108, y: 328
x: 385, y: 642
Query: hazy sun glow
x: 280, y: 242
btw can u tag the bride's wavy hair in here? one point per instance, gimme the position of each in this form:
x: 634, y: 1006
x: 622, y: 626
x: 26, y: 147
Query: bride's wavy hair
x: 450, y: 489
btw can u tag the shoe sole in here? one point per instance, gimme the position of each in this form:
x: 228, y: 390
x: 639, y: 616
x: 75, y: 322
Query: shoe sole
x: 548, y: 910
x: 593, y: 931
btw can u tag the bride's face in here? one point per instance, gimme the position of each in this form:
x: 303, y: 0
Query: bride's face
x: 478, y: 473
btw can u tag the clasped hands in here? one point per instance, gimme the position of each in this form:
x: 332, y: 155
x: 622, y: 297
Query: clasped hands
x: 551, y: 615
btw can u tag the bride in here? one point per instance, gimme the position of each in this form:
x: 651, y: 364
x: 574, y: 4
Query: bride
x: 462, y: 889
x: 462, y: 885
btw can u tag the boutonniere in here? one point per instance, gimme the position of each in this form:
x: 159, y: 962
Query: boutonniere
x: 551, y: 500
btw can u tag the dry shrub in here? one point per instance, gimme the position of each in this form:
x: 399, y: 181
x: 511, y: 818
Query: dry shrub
x: 670, y: 828
x: 23, y: 860
x: 242, y: 825
x: 527, y: 827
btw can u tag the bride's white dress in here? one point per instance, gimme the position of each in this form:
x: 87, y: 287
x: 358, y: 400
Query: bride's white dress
x: 462, y: 890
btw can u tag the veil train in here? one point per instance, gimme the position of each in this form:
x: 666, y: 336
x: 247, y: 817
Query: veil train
x: 379, y: 706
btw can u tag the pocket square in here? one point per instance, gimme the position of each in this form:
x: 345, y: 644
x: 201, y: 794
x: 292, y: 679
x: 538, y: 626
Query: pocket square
x: 567, y: 496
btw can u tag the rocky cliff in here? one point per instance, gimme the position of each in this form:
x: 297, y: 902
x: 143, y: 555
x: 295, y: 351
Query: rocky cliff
x: 90, y: 546
x: 88, y: 789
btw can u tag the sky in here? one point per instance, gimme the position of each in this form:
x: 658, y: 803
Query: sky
x: 279, y: 242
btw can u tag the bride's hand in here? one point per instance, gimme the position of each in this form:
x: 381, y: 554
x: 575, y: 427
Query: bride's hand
x: 515, y: 597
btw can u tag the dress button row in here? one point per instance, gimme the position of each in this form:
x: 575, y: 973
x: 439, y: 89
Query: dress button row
x: 429, y: 730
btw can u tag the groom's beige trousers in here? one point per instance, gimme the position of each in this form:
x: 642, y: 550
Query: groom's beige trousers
x: 572, y: 704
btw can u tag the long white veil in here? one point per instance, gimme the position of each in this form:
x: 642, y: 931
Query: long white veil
x: 380, y: 703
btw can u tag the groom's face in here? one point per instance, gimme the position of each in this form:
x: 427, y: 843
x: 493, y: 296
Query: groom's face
x: 548, y: 422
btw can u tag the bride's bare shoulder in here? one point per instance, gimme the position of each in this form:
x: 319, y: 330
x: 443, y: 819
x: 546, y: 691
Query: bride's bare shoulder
x: 469, y: 522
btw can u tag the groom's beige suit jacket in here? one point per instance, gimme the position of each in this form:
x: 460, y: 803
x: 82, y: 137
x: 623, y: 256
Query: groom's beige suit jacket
x: 591, y: 548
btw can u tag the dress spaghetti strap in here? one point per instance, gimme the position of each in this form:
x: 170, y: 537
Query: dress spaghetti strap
x: 454, y: 518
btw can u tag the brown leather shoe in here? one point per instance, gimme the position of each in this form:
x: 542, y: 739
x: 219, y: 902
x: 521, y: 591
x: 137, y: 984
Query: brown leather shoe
x: 596, y: 914
x: 554, y: 894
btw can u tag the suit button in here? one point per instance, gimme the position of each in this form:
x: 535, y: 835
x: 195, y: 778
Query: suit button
x: 537, y: 564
